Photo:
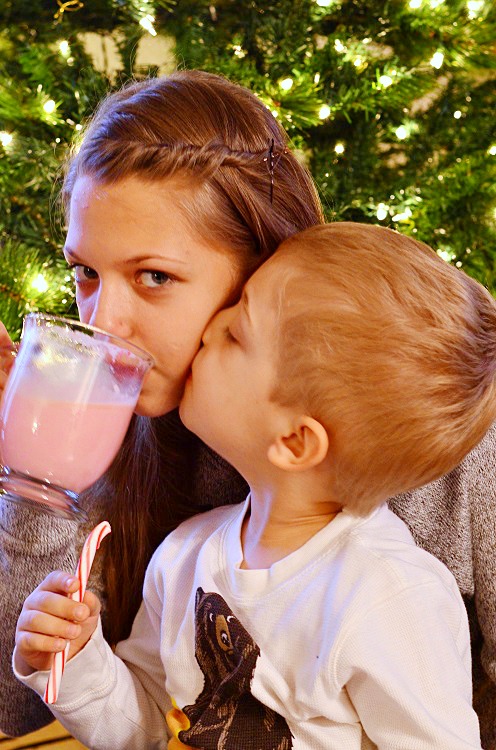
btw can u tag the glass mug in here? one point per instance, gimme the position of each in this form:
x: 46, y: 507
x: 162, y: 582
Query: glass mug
x: 65, y: 410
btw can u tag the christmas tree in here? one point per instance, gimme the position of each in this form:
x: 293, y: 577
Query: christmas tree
x: 391, y: 105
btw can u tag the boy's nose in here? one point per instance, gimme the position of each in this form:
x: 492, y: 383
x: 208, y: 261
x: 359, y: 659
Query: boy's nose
x: 216, y: 323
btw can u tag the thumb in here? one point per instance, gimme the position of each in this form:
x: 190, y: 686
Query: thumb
x: 93, y: 603
x: 88, y: 624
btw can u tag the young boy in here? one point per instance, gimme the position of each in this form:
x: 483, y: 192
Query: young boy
x: 357, y: 365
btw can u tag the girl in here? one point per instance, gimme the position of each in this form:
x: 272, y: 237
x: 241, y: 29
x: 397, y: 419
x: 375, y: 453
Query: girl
x: 182, y: 187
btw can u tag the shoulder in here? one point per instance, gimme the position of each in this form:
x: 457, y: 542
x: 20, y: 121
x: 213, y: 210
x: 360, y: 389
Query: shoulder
x: 390, y: 560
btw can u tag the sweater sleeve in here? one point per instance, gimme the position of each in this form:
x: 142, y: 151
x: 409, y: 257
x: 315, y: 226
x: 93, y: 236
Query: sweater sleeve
x: 31, y: 545
x: 479, y: 472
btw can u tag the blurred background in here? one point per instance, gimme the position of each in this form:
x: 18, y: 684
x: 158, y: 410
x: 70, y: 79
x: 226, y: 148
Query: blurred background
x: 391, y: 105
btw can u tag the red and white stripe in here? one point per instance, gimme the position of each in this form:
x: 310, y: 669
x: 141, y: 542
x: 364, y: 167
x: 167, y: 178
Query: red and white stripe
x: 83, y: 569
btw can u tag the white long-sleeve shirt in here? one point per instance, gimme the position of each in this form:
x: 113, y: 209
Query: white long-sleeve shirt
x: 358, y: 638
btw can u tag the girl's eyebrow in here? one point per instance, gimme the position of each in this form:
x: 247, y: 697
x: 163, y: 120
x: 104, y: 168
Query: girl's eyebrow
x: 137, y: 259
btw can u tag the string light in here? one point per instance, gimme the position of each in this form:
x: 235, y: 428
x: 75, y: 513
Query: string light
x: 446, y: 254
x: 404, y: 216
x: 6, y: 138
x: 385, y: 81
x: 316, y: 78
x: 49, y: 106
x: 401, y: 133
x: 40, y: 283
x: 474, y: 8
x: 339, y: 46
x: 437, y: 60
x: 324, y: 112
x: 147, y: 23
x: 239, y: 51
x: 286, y: 84
x: 64, y: 48
x: 457, y: 114
x: 339, y: 148
x: 415, y: 4
x: 382, y: 211
x: 435, y: 3
x: 324, y: 3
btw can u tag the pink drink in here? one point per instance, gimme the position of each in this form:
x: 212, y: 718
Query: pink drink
x: 62, y: 442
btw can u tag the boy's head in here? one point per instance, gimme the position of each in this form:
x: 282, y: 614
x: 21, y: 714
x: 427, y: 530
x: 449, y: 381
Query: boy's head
x: 392, y: 349
x: 365, y: 332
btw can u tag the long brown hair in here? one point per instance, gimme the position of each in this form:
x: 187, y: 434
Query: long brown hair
x: 251, y: 193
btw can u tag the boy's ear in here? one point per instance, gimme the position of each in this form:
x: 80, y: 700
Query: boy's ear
x: 304, y: 446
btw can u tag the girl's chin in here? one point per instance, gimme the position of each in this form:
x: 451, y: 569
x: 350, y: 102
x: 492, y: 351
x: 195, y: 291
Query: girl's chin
x: 153, y: 407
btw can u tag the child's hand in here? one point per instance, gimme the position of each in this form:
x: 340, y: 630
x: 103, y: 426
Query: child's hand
x: 49, y: 618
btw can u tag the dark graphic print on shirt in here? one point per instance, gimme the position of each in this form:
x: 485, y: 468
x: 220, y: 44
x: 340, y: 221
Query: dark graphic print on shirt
x: 226, y: 716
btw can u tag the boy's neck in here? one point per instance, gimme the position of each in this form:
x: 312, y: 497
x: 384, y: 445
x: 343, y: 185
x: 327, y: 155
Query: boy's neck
x: 283, y: 516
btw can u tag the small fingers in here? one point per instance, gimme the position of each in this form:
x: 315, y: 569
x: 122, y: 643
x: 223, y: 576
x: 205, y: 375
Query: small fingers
x: 27, y: 642
x: 52, y: 598
x: 35, y: 622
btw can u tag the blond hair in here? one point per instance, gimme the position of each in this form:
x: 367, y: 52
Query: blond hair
x: 392, y: 349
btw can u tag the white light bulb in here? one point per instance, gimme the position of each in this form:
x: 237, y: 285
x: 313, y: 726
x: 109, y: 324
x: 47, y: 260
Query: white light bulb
x: 437, y: 60
x: 339, y: 148
x: 324, y: 111
x: 382, y: 211
x: 385, y: 81
x: 286, y: 84
x: 401, y: 133
x: 403, y: 216
x: 474, y: 7
x: 40, y: 283
x: 49, y: 106
x: 446, y: 255
x: 147, y: 23
x: 5, y: 138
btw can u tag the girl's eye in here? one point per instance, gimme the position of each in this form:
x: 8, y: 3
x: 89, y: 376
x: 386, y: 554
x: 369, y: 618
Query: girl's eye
x: 83, y: 273
x: 153, y: 279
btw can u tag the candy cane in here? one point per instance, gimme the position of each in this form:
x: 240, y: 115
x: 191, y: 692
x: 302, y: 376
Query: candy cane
x: 83, y: 569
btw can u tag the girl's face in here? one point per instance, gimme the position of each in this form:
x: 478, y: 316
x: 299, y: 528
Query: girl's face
x: 142, y: 274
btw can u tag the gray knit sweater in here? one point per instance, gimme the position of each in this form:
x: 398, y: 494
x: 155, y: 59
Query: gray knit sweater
x: 454, y: 518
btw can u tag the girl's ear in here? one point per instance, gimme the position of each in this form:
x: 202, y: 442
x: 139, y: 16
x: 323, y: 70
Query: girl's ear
x: 302, y: 448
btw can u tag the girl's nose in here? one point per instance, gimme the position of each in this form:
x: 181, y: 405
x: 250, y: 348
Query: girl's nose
x: 109, y: 314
